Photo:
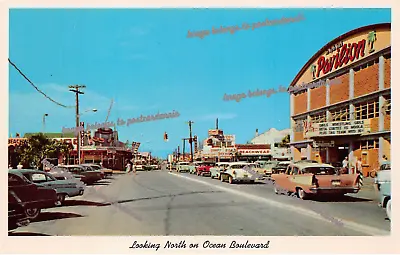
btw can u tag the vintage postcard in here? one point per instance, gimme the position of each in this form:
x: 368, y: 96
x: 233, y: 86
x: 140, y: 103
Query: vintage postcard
x: 150, y: 130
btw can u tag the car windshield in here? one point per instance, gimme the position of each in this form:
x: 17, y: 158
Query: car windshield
x: 95, y: 167
x: 319, y: 170
x: 282, y: 165
x: 238, y: 166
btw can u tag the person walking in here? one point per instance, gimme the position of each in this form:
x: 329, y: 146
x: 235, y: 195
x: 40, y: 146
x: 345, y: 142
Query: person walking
x: 19, y: 166
x: 345, y: 165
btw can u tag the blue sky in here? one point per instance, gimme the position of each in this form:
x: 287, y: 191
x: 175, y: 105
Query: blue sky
x: 143, y: 60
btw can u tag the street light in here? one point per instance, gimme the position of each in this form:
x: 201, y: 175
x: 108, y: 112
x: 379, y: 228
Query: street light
x: 44, y: 121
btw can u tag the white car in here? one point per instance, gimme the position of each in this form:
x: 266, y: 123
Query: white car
x: 238, y: 172
x: 218, y: 169
x: 193, y: 167
x: 182, y: 167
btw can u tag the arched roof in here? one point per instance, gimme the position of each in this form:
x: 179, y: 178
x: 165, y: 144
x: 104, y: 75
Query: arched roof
x: 336, y: 40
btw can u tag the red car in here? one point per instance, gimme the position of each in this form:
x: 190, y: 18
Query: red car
x: 204, y: 169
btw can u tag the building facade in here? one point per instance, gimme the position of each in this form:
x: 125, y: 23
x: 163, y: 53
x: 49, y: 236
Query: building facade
x: 340, y: 101
x: 273, y: 139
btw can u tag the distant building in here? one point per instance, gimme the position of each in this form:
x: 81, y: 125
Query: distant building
x: 272, y: 140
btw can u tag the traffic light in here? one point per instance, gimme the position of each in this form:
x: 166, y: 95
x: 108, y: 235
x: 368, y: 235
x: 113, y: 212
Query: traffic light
x: 165, y: 136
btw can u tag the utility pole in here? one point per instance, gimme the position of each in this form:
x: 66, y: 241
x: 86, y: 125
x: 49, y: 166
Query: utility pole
x: 75, y: 89
x: 190, y: 140
x: 183, y: 150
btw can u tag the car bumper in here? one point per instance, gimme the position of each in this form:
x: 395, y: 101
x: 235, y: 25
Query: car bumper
x: 244, y: 178
x: 337, y: 190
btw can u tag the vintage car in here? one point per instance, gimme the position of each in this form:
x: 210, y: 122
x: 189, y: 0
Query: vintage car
x: 64, y: 188
x: 155, y: 166
x: 306, y: 179
x: 204, y: 169
x: 88, y: 175
x: 264, y: 168
x: 383, y: 181
x: 16, y: 212
x: 33, y: 197
x: 219, y: 168
x: 193, y: 166
x: 280, y: 167
x: 182, y: 167
x: 237, y: 172
x: 105, y: 171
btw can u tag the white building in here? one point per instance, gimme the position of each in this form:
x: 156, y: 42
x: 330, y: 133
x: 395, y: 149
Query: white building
x: 273, y: 137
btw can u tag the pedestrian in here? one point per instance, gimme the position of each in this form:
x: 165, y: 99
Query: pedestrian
x: 359, y: 166
x: 19, y: 166
x: 345, y: 165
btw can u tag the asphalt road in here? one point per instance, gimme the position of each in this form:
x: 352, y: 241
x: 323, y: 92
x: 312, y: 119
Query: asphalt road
x: 162, y: 203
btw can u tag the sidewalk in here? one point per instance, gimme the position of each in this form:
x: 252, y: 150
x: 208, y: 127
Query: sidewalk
x: 368, y: 190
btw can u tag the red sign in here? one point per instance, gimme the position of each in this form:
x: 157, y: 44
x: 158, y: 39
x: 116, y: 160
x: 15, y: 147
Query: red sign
x: 254, y: 152
x: 345, y: 54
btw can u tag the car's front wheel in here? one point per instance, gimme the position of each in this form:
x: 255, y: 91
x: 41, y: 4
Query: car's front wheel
x: 301, y: 194
x: 32, y: 213
x: 389, y: 209
x: 61, y: 198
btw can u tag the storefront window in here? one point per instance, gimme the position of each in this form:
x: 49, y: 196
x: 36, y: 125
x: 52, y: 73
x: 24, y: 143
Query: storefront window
x: 367, y: 110
x: 341, y: 114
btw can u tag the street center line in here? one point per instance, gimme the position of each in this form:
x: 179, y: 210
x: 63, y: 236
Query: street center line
x: 306, y: 212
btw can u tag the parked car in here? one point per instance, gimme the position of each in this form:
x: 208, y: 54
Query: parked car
x: 280, y: 167
x: 219, y: 168
x: 306, y: 161
x: 105, y: 171
x: 138, y: 167
x: 94, y: 169
x: 236, y: 172
x: 89, y: 176
x: 155, y: 166
x: 383, y: 181
x: 306, y: 179
x: 264, y: 168
x: 182, y: 167
x: 33, y: 197
x: 16, y: 212
x: 193, y: 166
x: 204, y: 169
x: 62, y: 173
x: 64, y: 188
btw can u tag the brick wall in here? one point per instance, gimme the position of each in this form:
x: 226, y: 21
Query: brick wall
x: 318, y: 97
x: 374, y: 125
x: 298, y: 136
x: 366, y: 80
x: 300, y: 103
x: 297, y: 154
x: 386, y: 126
x: 372, y: 159
x: 387, y: 72
x: 339, y: 91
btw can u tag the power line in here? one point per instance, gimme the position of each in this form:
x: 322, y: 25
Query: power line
x: 26, y: 78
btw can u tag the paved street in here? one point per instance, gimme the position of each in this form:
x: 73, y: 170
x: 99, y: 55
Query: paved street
x: 162, y: 203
